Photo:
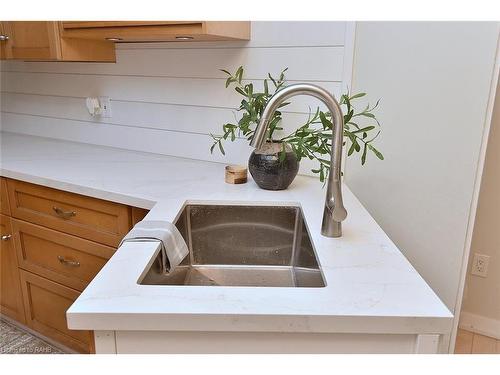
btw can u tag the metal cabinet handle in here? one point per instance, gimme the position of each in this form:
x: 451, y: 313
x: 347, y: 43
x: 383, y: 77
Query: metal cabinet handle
x: 6, y: 237
x: 69, y: 263
x: 63, y: 214
x: 4, y: 38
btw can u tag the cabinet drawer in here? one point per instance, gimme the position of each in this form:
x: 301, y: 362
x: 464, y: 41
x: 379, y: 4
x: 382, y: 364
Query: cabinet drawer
x: 97, y: 220
x: 46, y: 305
x: 4, y: 202
x: 11, y: 300
x: 61, y: 257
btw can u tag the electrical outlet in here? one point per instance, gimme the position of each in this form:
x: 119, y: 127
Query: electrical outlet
x: 480, y: 264
x: 105, y: 102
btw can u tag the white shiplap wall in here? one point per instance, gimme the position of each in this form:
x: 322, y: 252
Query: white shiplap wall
x: 167, y: 97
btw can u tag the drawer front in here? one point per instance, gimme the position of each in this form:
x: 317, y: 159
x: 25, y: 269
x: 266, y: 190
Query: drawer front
x: 69, y: 260
x: 4, y: 202
x: 46, y: 305
x: 94, y: 219
x: 11, y: 300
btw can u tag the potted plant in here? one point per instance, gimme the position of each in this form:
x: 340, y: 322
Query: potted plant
x: 275, y: 166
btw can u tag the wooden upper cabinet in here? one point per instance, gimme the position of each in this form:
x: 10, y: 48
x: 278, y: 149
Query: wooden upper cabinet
x: 31, y: 40
x: 158, y: 31
x: 93, y: 41
x: 42, y: 41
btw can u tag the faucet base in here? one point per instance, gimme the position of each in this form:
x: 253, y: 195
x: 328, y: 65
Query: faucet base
x: 330, y: 227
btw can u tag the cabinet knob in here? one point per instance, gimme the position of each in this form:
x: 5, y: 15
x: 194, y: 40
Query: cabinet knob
x: 6, y: 237
x: 64, y: 214
x: 4, y: 38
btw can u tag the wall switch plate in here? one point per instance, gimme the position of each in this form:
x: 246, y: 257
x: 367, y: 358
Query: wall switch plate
x: 105, y: 103
x: 480, y: 264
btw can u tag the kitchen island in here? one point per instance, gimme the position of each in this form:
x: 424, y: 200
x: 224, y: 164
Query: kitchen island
x: 373, y: 300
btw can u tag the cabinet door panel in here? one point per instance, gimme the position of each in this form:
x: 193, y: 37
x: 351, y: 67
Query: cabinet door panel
x: 37, y: 40
x: 11, y: 301
x: 46, y: 305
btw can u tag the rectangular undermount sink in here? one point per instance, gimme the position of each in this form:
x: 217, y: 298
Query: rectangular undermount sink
x: 233, y: 245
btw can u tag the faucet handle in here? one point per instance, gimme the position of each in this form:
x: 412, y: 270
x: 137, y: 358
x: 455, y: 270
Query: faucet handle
x: 339, y: 213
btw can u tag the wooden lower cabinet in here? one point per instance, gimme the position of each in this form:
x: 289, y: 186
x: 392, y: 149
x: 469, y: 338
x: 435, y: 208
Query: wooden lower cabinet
x: 46, y: 303
x: 53, y: 244
x: 11, y: 302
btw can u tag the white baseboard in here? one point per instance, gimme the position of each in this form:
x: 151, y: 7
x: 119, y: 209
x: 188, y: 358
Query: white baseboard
x: 480, y: 324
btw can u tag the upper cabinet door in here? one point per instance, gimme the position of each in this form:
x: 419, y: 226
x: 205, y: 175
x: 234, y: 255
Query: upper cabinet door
x: 31, y: 40
x: 3, y: 41
x: 42, y: 41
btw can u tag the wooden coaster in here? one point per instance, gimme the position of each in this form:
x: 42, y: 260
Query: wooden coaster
x: 236, y: 174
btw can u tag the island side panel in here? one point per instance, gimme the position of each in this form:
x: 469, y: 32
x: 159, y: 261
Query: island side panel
x: 427, y: 344
x: 161, y: 342
x: 105, y: 342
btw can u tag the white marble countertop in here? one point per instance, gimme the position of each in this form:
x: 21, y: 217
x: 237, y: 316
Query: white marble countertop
x: 371, y: 287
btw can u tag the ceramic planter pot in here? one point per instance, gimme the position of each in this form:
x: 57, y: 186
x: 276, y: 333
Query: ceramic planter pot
x: 268, y: 171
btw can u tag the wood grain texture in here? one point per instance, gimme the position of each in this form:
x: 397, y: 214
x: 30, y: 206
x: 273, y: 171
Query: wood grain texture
x: 463, y: 344
x: 46, y: 305
x: 138, y: 214
x: 143, y: 31
x: 94, y: 219
x: 3, y: 48
x: 94, y: 24
x: 473, y: 343
x: 483, y: 345
x: 11, y: 302
x: 32, y: 40
x: 4, y: 199
x: 41, y: 40
x: 38, y: 250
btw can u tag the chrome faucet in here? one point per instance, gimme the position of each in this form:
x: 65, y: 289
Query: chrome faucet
x: 334, y: 212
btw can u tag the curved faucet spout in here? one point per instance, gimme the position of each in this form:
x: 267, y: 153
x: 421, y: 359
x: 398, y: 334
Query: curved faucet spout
x: 334, y: 212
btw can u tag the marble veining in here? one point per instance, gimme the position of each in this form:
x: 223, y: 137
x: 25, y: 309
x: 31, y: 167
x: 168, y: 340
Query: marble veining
x: 371, y: 286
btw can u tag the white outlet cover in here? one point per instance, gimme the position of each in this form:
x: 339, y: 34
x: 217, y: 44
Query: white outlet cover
x: 105, y: 103
x: 480, y: 264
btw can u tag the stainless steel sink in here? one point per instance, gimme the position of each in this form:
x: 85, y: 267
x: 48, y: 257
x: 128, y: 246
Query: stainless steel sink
x: 232, y: 245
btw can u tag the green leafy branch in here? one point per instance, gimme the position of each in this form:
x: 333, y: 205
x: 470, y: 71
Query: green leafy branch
x: 312, y: 140
x: 252, y: 107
